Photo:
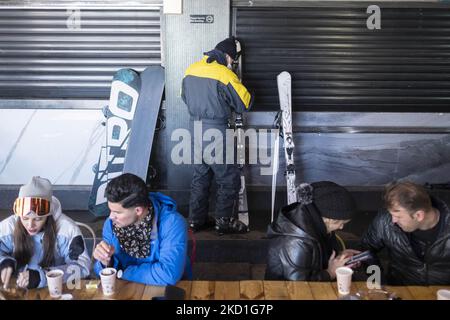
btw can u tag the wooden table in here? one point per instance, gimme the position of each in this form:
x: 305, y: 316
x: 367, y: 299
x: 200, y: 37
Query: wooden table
x: 289, y: 290
x: 236, y: 290
x: 124, y: 291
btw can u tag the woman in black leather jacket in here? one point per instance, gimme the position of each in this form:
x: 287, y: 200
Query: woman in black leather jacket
x: 303, y: 245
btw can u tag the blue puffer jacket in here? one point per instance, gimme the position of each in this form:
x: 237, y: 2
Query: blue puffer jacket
x: 168, y: 252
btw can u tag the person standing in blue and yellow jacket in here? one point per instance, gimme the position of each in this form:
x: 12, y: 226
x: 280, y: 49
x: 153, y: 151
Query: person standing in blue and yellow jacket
x: 144, y: 238
x: 212, y: 91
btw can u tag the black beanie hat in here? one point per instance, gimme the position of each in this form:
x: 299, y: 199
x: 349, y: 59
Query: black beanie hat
x: 228, y: 46
x: 333, y: 201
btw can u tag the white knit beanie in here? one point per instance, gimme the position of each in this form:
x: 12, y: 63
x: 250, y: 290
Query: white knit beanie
x: 38, y: 188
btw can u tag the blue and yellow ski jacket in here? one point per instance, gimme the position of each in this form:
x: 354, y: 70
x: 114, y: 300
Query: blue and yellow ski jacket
x: 211, y: 90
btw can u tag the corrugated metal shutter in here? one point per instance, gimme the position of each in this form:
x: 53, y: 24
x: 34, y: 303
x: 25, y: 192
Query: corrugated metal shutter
x: 338, y: 64
x: 42, y: 57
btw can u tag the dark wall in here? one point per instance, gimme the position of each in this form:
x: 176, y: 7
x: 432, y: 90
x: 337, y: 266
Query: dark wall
x: 338, y: 64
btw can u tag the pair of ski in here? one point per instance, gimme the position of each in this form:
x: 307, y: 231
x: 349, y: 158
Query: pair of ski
x: 285, y: 96
x: 285, y: 117
x: 239, y: 123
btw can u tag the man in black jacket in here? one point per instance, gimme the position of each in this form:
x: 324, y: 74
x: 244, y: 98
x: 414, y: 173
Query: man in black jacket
x: 415, y: 230
x: 303, y: 245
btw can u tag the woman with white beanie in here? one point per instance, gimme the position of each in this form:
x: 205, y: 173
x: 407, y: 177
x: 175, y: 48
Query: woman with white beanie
x: 38, y: 238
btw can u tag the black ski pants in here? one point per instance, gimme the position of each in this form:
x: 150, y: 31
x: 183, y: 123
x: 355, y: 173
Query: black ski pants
x: 227, y: 178
x: 228, y: 181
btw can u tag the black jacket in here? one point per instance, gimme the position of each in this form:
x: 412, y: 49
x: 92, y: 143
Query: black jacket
x: 299, y: 247
x: 405, y: 268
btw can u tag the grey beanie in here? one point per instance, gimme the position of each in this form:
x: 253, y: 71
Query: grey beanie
x: 38, y: 187
x: 333, y: 201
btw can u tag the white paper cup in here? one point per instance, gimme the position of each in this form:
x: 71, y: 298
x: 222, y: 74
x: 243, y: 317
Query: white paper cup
x: 55, y: 282
x: 443, y: 294
x: 108, y: 280
x: 344, y: 280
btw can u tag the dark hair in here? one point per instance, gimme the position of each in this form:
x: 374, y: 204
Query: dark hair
x: 129, y: 190
x: 408, y: 195
x: 24, y: 244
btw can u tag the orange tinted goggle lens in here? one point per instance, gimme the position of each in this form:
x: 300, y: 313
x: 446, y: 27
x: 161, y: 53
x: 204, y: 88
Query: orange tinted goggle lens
x: 38, y: 205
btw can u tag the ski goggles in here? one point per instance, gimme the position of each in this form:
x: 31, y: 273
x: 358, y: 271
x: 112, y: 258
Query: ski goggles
x: 25, y: 205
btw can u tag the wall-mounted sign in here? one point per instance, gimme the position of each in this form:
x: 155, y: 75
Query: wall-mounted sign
x: 202, y: 18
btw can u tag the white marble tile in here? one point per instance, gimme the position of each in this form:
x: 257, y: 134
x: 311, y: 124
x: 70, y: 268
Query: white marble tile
x: 61, y: 145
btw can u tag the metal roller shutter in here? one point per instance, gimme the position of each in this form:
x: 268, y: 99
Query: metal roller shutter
x: 41, y: 57
x: 338, y: 64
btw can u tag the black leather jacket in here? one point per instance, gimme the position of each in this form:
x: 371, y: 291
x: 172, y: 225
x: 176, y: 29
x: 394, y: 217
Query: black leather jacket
x: 299, y: 247
x: 405, y: 268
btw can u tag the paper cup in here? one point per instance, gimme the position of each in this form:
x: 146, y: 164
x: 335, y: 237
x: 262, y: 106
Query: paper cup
x: 55, y: 282
x: 344, y: 280
x: 443, y: 294
x: 108, y: 280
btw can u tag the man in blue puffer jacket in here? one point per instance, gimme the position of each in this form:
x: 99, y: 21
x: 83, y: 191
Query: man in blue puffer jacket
x: 144, y: 238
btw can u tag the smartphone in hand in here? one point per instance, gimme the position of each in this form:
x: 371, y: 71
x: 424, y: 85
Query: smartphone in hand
x: 363, y: 256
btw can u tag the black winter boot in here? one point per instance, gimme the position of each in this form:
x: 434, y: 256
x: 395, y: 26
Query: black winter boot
x: 226, y: 225
x: 196, y: 227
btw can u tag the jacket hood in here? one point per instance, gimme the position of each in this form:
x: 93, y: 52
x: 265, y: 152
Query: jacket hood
x: 159, y: 199
x: 297, y: 220
x: 304, y: 223
x: 55, y: 208
x: 216, y: 55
